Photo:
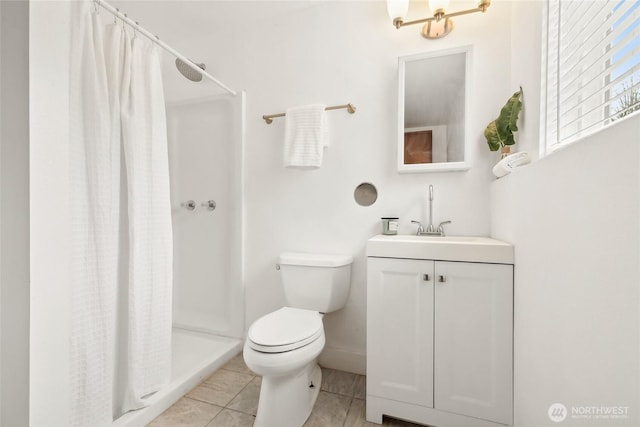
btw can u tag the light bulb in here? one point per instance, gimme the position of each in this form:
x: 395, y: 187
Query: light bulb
x: 397, y: 8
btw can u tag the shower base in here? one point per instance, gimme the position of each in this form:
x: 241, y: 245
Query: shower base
x: 195, y: 356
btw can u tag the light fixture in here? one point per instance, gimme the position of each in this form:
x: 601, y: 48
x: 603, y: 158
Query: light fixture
x: 397, y: 9
x: 436, y: 26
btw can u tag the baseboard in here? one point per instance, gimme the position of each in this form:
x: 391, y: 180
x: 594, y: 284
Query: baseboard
x: 343, y: 360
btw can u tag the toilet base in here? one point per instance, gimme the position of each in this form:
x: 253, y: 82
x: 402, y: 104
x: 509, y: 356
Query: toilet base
x: 287, y: 401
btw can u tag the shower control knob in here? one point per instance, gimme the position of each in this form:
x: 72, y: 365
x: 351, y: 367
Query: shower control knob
x: 190, y: 205
x: 210, y: 204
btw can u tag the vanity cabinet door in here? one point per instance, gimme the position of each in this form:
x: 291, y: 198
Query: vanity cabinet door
x: 400, y: 330
x: 474, y: 339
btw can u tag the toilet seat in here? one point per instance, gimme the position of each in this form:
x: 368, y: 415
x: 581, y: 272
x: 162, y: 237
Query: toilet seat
x: 285, y: 330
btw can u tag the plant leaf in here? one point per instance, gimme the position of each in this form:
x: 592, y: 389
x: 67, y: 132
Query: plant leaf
x: 507, y: 121
x: 493, y: 138
x: 516, y: 106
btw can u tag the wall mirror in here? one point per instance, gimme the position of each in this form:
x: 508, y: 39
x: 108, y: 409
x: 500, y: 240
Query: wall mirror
x: 433, y: 107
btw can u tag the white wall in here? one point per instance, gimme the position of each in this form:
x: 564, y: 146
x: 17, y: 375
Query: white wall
x: 1, y: 340
x: 526, y: 51
x: 293, y: 52
x: 338, y: 52
x: 334, y: 52
x: 49, y: 153
x: 574, y: 219
x: 14, y: 213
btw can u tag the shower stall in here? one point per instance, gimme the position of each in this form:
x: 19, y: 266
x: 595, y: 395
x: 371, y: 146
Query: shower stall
x: 205, y: 152
x: 205, y: 162
x: 202, y: 321
x: 158, y: 293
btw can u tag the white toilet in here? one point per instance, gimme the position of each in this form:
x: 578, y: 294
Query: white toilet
x: 283, y: 346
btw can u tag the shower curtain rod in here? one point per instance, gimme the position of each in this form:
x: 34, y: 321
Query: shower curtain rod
x: 156, y: 39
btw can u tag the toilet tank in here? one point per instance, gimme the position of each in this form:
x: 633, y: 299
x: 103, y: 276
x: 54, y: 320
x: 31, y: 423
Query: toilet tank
x: 316, y: 281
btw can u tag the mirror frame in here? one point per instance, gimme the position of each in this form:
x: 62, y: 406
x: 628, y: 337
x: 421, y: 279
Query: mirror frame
x: 435, y: 167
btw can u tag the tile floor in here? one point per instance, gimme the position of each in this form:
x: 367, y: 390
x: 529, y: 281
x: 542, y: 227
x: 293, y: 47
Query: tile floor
x: 229, y: 398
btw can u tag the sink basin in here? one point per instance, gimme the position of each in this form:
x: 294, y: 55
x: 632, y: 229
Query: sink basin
x: 448, y: 248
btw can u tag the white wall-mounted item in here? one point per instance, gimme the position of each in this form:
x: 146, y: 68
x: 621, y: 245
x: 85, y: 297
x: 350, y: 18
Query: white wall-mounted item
x: 439, y: 339
x: 434, y: 101
x: 509, y: 163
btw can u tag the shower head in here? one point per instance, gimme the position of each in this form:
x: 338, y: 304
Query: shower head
x: 189, y: 72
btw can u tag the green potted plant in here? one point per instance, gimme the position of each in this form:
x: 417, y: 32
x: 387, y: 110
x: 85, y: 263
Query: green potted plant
x: 499, y: 133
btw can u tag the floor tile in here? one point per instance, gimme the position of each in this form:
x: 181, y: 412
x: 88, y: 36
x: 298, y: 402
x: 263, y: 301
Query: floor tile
x: 187, y: 413
x: 247, y: 400
x: 221, y: 387
x: 230, y: 396
x: 224, y: 379
x: 338, y: 382
x: 237, y: 365
x: 330, y: 410
x: 361, y: 387
x: 229, y: 418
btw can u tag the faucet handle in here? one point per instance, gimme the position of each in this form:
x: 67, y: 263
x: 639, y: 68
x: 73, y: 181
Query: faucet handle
x: 420, y: 227
x: 441, y: 228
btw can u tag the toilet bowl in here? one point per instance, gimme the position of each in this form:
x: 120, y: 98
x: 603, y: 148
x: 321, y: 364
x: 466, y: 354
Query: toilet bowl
x: 278, y: 350
x: 283, y: 346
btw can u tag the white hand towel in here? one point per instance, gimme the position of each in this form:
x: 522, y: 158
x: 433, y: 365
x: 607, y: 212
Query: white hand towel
x: 305, y: 136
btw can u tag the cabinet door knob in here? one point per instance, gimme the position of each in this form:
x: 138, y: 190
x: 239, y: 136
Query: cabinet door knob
x: 442, y: 279
x: 426, y: 277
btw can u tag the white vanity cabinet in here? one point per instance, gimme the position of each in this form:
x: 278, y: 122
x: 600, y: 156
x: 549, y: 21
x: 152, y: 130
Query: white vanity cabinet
x: 400, y: 330
x: 439, y: 340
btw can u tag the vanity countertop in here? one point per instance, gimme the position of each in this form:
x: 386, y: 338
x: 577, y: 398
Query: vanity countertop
x: 448, y: 248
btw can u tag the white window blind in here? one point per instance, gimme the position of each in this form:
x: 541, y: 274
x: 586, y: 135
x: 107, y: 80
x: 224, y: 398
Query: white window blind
x: 590, y: 67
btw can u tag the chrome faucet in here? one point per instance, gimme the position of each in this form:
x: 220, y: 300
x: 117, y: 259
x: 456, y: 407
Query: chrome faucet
x: 431, y: 230
x: 438, y: 232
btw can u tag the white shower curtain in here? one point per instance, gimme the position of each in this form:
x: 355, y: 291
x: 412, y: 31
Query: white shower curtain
x: 94, y: 171
x: 119, y: 355
x: 150, y: 234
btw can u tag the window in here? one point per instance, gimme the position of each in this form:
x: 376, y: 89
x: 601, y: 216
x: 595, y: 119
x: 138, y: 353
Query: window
x: 590, y: 67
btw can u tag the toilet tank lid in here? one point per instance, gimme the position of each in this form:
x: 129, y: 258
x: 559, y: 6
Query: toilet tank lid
x: 315, y: 260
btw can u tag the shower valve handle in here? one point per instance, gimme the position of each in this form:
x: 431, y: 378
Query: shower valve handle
x: 210, y: 204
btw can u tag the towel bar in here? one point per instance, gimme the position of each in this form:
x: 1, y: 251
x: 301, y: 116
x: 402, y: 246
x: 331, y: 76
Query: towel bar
x: 268, y: 118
